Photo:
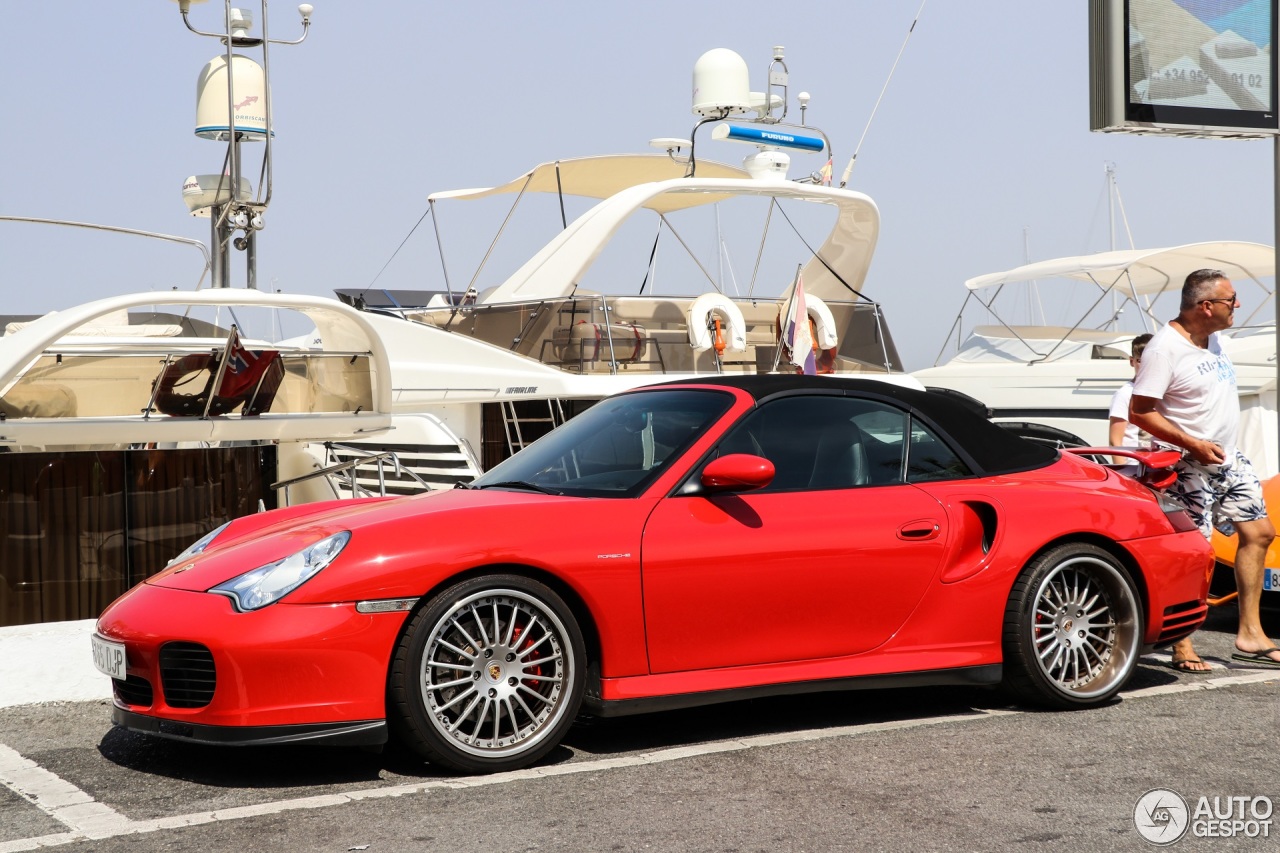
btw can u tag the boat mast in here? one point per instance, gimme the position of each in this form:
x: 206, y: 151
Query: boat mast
x: 233, y: 105
x: 1036, y: 301
x: 1111, y: 208
x: 1113, y: 199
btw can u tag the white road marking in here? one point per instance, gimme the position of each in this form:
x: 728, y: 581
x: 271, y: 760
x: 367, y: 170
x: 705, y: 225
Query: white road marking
x: 62, y: 801
x: 88, y: 819
x: 1207, y: 682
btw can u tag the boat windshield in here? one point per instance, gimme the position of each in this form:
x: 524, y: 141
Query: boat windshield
x: 617, y: 448
x: 594, y: 333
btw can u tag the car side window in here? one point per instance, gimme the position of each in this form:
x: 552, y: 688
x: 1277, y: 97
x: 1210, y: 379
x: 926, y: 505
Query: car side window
x: 614, y: 449
x: 929, y: 458
x: 633, y: 442
x: 823, y: 441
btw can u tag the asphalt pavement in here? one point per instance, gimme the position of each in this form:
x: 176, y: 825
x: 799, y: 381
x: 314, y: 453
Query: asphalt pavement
x: 923, y: 769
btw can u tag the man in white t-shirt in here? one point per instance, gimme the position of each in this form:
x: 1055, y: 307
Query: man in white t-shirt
x: 1185, y: 395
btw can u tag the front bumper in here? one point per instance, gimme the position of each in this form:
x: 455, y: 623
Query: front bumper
x: 198, y: 670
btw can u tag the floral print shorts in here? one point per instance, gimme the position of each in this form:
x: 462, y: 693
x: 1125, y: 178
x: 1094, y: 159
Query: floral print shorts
x: 1219, y: 495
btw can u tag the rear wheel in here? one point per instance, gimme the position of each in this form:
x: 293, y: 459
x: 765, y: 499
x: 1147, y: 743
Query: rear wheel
x: 488, y: 676
x: 1072, y: 628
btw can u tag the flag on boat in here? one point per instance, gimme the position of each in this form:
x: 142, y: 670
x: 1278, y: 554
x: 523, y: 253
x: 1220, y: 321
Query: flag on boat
x: 245, y: 367
x: 824, y: 176
x: 798, y: 335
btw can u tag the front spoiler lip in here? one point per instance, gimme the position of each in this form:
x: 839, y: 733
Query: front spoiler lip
x: 356, y: 733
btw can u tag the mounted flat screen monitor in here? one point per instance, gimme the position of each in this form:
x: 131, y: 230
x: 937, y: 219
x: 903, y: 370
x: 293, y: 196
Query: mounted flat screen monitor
x: 1183, y: 67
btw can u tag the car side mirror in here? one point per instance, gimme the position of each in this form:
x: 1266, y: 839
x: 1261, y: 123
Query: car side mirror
x: 737, y: 472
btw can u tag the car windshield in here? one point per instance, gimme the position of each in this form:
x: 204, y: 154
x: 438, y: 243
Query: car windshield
x: 614, y: 449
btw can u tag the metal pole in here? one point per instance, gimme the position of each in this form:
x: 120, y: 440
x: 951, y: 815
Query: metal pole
x: 231, y: 109
x: 219, y: 273
x: 251, y: 259
x: 1111, y: 207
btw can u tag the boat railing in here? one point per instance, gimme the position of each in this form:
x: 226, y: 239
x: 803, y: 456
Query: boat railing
x: 594, y: 333
x: 379, y: 460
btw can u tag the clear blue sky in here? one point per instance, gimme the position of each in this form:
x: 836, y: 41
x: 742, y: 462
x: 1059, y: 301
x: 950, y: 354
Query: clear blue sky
x: 981, y: 144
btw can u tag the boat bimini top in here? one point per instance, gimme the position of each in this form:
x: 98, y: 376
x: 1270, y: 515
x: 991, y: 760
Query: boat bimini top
x: 1142, y: 272
x: 1136, y: 276
x: 631, y: 182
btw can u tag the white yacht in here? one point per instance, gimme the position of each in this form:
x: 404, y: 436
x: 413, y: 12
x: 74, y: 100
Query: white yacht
x: 132, y: 424
x: 481, y: 369
x: 1055, y: 381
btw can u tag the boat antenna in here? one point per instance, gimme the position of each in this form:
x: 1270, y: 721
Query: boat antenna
x: 844, y: 179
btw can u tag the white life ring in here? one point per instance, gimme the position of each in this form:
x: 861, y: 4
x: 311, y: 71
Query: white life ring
x: 822, y: 320
x: 735, y: 327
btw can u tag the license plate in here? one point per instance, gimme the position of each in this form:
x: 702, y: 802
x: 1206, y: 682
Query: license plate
x: 1271, y: 580
x: 108, y: 657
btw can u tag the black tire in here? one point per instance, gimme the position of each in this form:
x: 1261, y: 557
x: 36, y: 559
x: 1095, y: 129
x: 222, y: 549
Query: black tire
x: 1072, y: 628
x: 488, y: 675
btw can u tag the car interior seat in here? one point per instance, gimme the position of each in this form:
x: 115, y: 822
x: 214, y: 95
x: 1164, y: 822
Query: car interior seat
x: 840, y: 459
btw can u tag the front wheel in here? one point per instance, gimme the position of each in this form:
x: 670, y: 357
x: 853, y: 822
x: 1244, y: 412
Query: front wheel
x: 488, y: 676
x: 1072, y: 628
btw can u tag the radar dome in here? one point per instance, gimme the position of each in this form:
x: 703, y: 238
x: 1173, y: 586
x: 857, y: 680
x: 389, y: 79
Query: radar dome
x: 720, y: 84
x: 248, y: 94
x: 202, y: 192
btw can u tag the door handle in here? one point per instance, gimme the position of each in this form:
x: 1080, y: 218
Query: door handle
x: 919, y: 530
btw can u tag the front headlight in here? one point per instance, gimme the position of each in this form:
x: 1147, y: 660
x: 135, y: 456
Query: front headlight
x: 200, y: 544
x: 267, y: 584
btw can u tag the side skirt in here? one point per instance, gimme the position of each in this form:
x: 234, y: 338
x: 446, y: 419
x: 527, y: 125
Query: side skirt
x: 965, y: 676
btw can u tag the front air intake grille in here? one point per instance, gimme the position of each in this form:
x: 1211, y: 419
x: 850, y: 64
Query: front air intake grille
x: 134, y: 690
x: 187, y: 675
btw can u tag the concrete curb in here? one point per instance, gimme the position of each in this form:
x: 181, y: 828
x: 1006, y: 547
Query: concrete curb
x: 49, y: 662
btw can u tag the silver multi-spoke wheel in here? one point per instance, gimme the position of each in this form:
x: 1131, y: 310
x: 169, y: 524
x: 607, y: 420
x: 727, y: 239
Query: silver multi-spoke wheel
x: 1081, y: 641
x: 493, y: 678
x: 1072, y: 628
x: 489, y: 675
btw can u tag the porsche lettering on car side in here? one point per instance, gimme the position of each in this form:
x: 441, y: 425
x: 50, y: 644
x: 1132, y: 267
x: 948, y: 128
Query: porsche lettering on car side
x: 695, y: 542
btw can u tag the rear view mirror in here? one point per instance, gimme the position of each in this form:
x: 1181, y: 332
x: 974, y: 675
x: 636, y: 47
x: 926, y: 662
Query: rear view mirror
x: 737, y: 472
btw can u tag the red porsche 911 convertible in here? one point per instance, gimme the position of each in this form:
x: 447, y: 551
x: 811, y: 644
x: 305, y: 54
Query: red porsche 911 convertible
x: 689, y: 543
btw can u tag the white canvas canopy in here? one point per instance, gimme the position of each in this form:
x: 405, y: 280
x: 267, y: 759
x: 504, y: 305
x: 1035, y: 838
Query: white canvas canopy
x: 1144, y: 271
x: 626, y: 183
x: 846, y: 254
x: 604, y: 176
x: 1028, y: 343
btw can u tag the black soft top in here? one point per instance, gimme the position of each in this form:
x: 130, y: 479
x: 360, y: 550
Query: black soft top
x: 990, y: 448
